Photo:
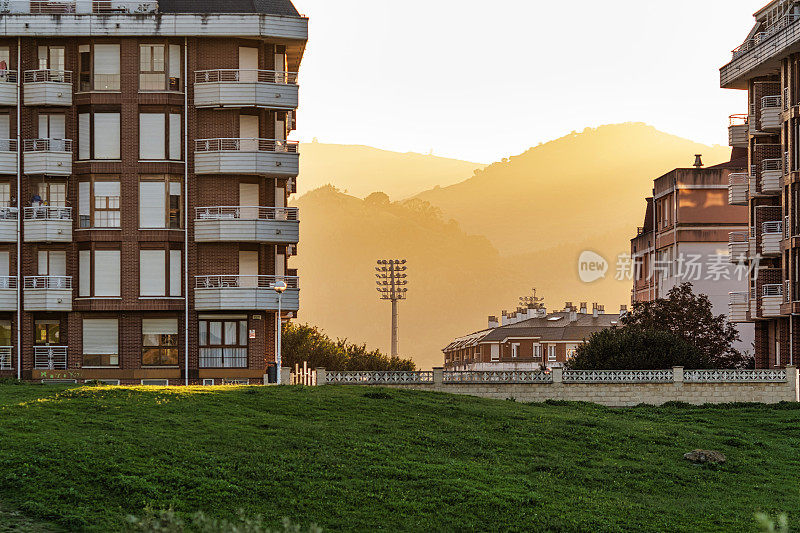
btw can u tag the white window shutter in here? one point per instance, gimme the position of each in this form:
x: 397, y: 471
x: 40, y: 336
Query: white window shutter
x: 106, y: 136
x: 106, y: 188
x: 175, y: 138
x: 159, y: 326
x: 106, y: 67
x: 5, y: 127
x: 175, y: 61
x: 175, y: 272
x: 100, y: 336
x: 43, y: 263
x: 58, y: 264
x: 4, y: 264
x: 152, y: 204
x: 85, y: 273
x: 58, y: 126
x: 248, y: 268
x: 84, y: 136
x: 106, y: 273
x: 152, y: 265
x: 84, y: 199
x: 152, y: 135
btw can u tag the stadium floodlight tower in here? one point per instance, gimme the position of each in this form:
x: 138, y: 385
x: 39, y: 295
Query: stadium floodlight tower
x: 391, y: 274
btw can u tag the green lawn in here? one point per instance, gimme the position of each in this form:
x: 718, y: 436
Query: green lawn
x: 85, y: 458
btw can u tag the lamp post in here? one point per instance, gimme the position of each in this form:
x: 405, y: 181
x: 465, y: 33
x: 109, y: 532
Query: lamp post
x: 391, y: 286
x: 280, y: 288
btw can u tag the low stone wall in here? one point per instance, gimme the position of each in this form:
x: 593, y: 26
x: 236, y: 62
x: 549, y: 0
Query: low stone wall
x: 610, y: 388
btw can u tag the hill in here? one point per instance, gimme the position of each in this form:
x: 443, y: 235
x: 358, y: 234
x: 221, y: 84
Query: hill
x: 86, y: 458
x: 570, y: 189
x: 361, y: 170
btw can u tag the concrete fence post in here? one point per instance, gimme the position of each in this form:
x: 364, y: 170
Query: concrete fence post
x: 558, y: 375
x: 321, y: 377
x: 791, y: 382
x: 677, y: 375
x: 286, y: 375
x: 438, y: 377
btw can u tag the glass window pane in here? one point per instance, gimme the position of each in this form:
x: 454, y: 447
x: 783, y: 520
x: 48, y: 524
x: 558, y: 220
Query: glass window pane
x: 215, y: 333
x: 243, y: 333
x: 203, y: 330
x: 230, y: 333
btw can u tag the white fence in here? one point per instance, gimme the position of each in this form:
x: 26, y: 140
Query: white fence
x: 377, y: 378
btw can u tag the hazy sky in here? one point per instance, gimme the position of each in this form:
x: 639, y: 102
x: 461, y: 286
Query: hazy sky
x: 483, y: 79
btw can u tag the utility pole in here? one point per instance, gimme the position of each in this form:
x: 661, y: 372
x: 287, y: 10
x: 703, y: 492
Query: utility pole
x: 392, y: 283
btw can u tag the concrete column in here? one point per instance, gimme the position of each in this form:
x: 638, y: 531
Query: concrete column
x: 558, y: 375
x: 438, y: 377
x: 791, y: 382
x: 677, y: 374
x: 321, y: 376
x: 286, y: 375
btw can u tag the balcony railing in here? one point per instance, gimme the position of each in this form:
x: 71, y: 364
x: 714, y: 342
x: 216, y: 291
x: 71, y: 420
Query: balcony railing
x: 738, y: 120
x: 246, y: 213
x: 8, y: 282
x: 772, y: 289
x: 245, y: 76
x: 79, y: 7
x: 245, y: 282
x: 786, y: 98
x: 50, y: 357
x: 771, y: 228
x: 48, y: 282
x: 46, y: 212
x: 222, y: 357
x: 737, y: 298
x: 760, y: 37
x: 8, y: 145
x: 9, y: 213
x: 772, y: 164
x: 787, y: 291
x: 47, y: 145
x: 738, y: 237
x: 8, y: 76
x: 5, y: 358
x: 47, y: 75
x: 772, y: 101
x: 247, y: 145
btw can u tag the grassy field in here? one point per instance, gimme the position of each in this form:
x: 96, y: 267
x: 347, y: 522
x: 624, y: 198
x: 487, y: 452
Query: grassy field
x: 349, y: 459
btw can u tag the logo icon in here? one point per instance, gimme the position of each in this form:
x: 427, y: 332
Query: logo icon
x: 592, y: 267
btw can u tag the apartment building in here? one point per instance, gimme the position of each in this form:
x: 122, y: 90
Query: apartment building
x: 767, y: 66
x: 693, y: 232
x: 528, y: 339
x: 144, y: 176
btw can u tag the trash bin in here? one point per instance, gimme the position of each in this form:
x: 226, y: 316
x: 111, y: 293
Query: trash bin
x: 272, y: 372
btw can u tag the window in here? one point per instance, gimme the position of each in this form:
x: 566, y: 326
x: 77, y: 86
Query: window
x: 495, y: 352
x: 537, y: 351
x: 52, y: 58
x: 571, y: 349
x: 52, y: 126
x: 106, y: 67
x: 160, y: 67
x: 5, y: 333
x: 99, y: 272
x: 100, y: 342
x: 155, y: 382
x: 515, y: 351
x: 160, y: 273
x: 98, y: 203
x: 160, y: 203
x: 551, y: 353
x: 52, y: 263
x: 160, y: 135
x: 160, y: 342
x: 5, y: 194
x: 99, y: 135
x: 223, y: 343
x: 53, y: 193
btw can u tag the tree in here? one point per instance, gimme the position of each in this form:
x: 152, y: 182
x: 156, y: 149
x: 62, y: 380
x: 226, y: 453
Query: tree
x: 304, y: 343
x: 634, y: 348
x: 690, y: 317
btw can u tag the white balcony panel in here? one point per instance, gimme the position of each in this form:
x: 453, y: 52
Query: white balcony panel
x: 8, y: 299
x: 738, y: 135
x: 770, y: 118
x: 8, y: 161
x: 738, y: 306
x: 739, y: 250
x: 264, y: 157
x: 247, y: 224
x: 47, y: 299
x: 771, y: 306
x: 8, y: 89
x: 8, y: 225
x: 738, y: 189
x: 246, y: 94
x: 771, y: 181
x: 52, y: 157
x: 231, y: 293
x: 771, y: 243
x: 47, y: 88
x: 47, y: 230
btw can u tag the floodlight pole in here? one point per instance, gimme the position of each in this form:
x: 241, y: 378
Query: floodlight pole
x: 391, y: 286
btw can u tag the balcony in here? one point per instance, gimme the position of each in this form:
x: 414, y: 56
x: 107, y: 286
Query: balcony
x: 47, y: 224
x: 771, y: 236
x: 771, y: 113
x: 279, y: 225
x: 48, y: 293
x: 739, y: 131
x: 8, y: 88
x: 8, y: 224
x: 771, y: 300
x: 240, y: 293
x: 6, y: 361
x: 246, y: 88
x: 771, y: 173
x: 50, y: 357
x: 8, y: 293
x: 52, y: 157
x: 738, y: 246
x: 8, y: 156
x: 738, y: 188
x: 47, y: 87
x: 263, y: 157
x: 738, y: 306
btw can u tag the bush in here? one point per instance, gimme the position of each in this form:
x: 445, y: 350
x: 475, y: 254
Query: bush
x: 631, y: 348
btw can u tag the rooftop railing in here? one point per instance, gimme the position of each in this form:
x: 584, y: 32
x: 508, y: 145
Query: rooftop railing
x: 47, y: 145
x: 245, y: 75
x: 47, y: 212
x: 78, y: 7
x: 245, y: 282
x: 43, y: 75
x: 246, y: 213
x: 759, y: 38
x: 246, y: 145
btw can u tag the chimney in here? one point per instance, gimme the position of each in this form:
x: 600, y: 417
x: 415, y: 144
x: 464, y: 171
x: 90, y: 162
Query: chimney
x: 532, y: 311
x: 542, y: 311
x: 601, y: 309
x: 568, y: 307
x: 595, y: 310
x: 573, y: 314
x: 504, y: 318
x: 623, y: 310
x: 493, y: 323
x: 698, y: 160
x: 584, y: 308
